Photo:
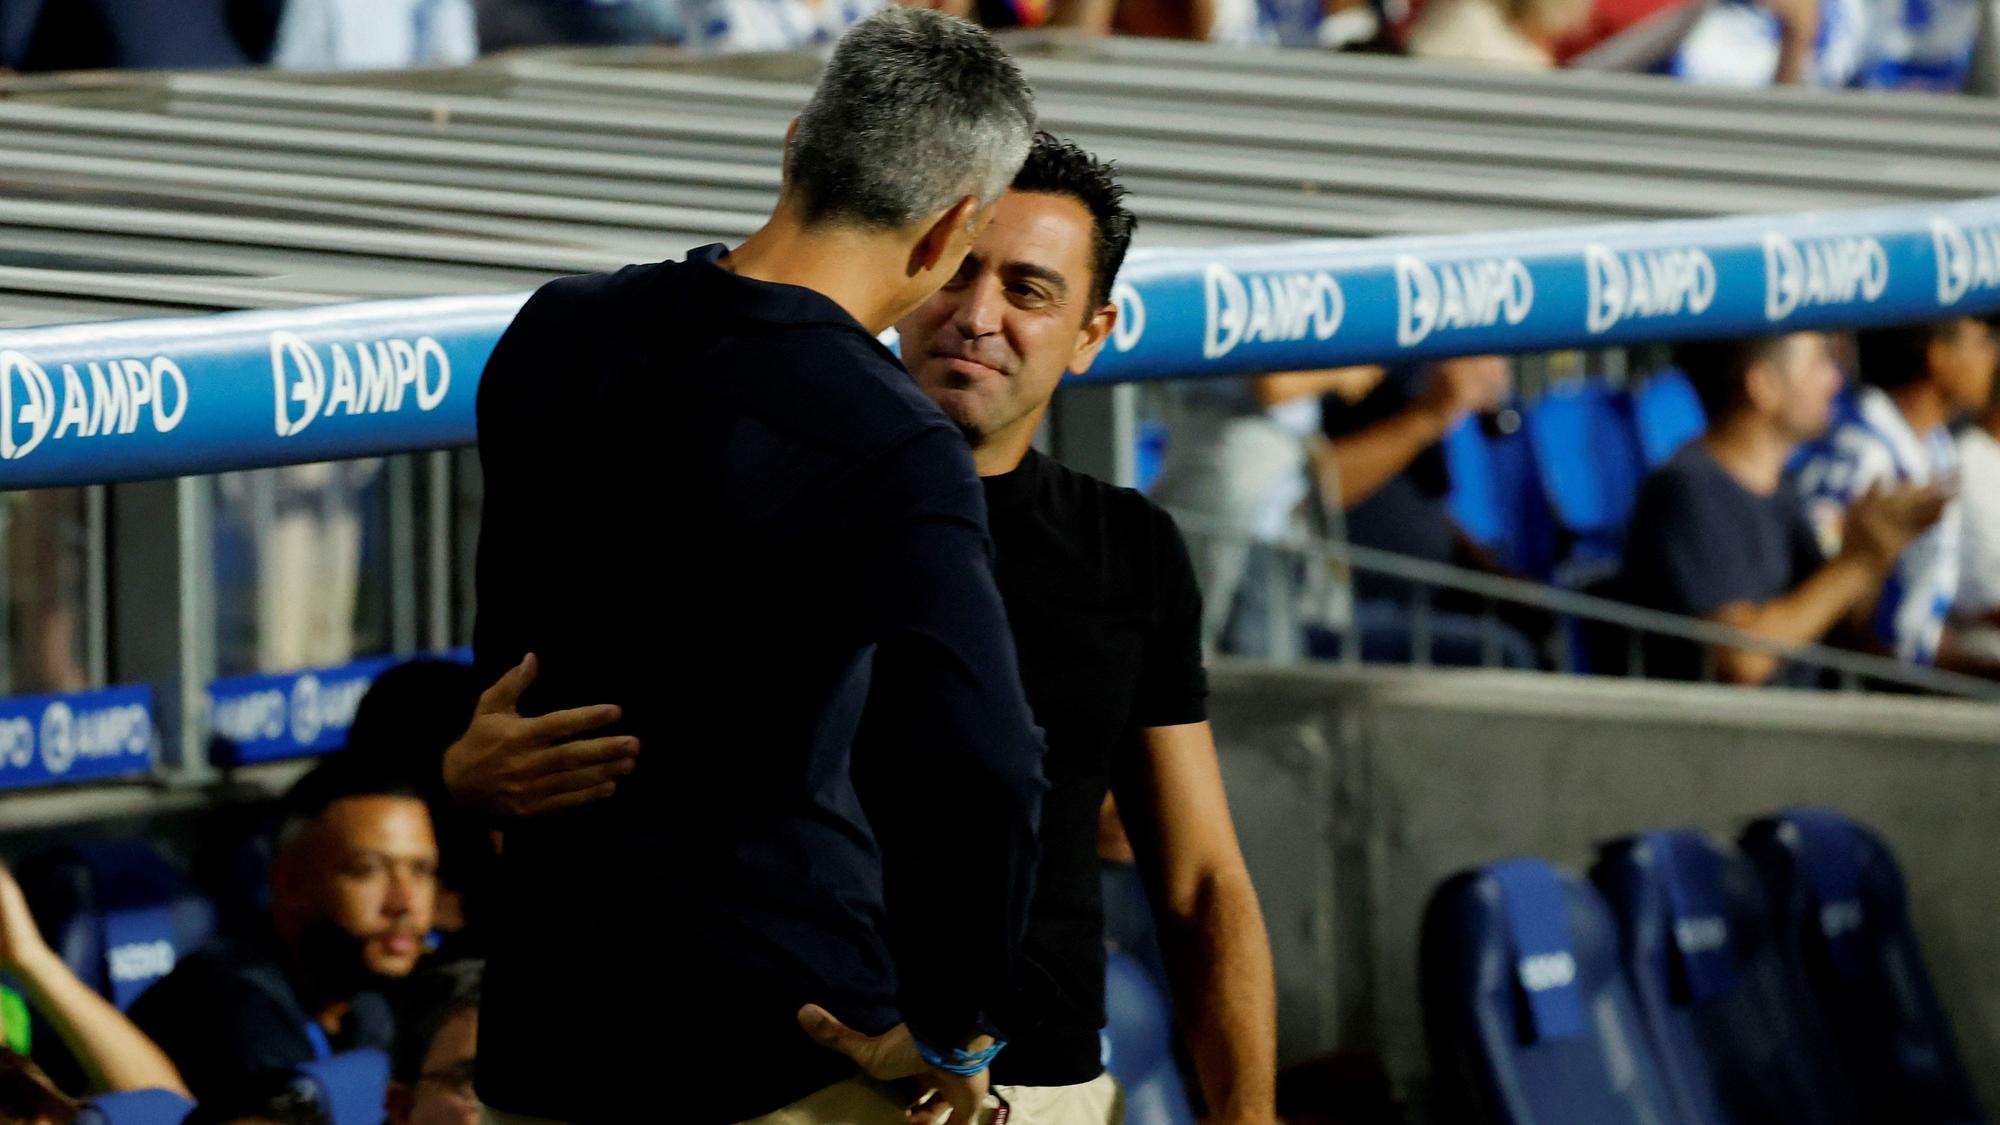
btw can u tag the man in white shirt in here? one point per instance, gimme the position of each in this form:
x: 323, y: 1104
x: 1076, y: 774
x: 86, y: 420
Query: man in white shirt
x: 1916, y: 380
x: 1976, y: 615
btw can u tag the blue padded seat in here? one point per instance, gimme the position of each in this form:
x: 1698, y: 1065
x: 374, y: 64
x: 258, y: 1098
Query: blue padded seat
x: 1721, y: 1009
x: 1530, y: 1017
x: 1844, y: 924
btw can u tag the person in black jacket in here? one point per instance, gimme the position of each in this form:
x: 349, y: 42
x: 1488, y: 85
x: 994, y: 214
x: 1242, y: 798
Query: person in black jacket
x: 767, y: 525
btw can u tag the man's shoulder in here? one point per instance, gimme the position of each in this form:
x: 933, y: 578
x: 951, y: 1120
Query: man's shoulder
x: 224, y: 978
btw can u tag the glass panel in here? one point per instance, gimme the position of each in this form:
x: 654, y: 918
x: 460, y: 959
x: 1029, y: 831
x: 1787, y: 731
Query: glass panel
x: 301, y: 566
x: 47, y: 536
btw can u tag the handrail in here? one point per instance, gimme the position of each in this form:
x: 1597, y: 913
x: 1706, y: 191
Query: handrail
x: 1853, y: 666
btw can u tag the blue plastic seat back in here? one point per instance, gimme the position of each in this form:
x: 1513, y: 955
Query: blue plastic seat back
x: 1844, y: 925
x: 1527, y: 541
x: 135, y: 1107
x: 1713, y: 989
x: 1668, y: 415
x: 1529, y: 1015
x: 118, y: 913
x: 1139, y: 1046
x: 1475, y: 499
x: 1587, y: 453
x: 352, y: 1086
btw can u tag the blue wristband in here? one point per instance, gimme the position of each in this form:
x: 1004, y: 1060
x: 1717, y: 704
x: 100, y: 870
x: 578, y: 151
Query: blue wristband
x: 958, y: 1060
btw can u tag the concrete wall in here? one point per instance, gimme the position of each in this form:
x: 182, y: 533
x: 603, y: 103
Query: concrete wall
x: 1357, y: 791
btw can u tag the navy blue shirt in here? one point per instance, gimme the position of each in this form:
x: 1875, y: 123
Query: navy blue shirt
x: 723, y: 505
x: 230, y: 1012
x: 1699, y: 540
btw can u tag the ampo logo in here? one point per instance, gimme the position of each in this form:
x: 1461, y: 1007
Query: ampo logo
x: 1642, y: 284
x: 371, y: 379
x: 1455, y: 295
x: 95, y: 399
x: 1966, y: 259
x: 1131, y: 324
x: 305, y: 710
x: 17, y: 743
x: 1821, y: 271
x: 58, y: 736
x: 1277, y: 307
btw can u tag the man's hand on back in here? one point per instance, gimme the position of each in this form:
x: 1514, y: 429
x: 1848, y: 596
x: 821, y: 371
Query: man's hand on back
x: 505, y: 765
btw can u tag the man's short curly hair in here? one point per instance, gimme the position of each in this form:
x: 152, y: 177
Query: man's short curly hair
x: 1059, y: 167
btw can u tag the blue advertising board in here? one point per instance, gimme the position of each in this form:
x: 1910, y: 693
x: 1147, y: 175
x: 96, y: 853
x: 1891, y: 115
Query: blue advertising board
x: 157, y: 398
x: 85, y: 736
x: 265, y: 718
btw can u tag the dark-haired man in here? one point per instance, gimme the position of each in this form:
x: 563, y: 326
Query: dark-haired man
x: 1107, y: 617
x: 1720, y: 533
x: 352, y: 890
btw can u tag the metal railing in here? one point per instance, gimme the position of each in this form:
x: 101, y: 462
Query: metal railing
x: 1845, y: 669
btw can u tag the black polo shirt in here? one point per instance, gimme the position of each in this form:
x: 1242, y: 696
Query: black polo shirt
x: 721, y: 504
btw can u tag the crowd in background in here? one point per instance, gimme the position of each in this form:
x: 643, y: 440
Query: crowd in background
x: 1896, y: 44
x: 1846, y: 492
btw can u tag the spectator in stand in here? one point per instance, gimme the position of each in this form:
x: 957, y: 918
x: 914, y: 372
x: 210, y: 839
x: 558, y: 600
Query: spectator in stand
x: 1719, y: 532
x: 437, y: 1036
x: 1917, y: 379
x: 409, y: 715
x: 1239, y: 465
x: 40, y: 35
x: 374, y: 34
x: 1521, y: 34
x: 114, y: 1054
x: 352, y: 891
x: 506, y: 25
x: 1383, y: 462
x: 1977, y: 610
x: 1869, y: 44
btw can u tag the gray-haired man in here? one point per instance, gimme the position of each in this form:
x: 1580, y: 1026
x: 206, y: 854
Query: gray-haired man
x: 765, y: 514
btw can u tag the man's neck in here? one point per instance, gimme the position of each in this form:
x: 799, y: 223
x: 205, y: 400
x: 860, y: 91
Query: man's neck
x: 1921, y: 405
x: 1751, y: 451
x: 846, y: 266
x: 1001, y: 453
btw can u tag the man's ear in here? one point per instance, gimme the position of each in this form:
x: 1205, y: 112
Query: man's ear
x: 785, y: 163
x: 1091, y: 337
x: 941, y: 239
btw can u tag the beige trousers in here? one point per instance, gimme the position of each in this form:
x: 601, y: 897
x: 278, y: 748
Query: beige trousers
x: 861, y: 1101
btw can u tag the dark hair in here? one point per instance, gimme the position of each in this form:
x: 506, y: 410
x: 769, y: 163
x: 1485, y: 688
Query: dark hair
x: 1717, y: 368
x: 424, y: 1004
x: 277, y: 1096
x: 409, y: 717
x: 411, y: 714
x: 1898, y: 356
x: 916, y: 110
x: 338, y: 778
x: 26, y: 1094
x: 1059, y: 167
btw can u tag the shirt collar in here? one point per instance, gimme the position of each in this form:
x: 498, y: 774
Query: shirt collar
x: 766, y: 300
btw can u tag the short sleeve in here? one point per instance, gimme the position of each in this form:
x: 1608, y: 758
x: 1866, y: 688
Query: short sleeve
x: 1681, y: 555
x: 1173, y: 684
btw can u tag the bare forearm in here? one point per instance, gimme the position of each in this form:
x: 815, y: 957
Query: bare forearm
x: 114, y: 1053
x: 1805, y: 615
x: 1219, y: 959
x: 1369, y: 458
